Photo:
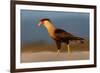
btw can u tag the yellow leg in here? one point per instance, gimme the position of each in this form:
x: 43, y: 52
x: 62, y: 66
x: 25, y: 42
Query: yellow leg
x: 68, y: 49
x: 58, y: 52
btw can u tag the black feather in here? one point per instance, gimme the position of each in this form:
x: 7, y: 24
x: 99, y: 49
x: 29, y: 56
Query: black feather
x: 62, y: 35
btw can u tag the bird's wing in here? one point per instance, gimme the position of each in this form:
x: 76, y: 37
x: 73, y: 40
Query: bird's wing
x: 62, y: 33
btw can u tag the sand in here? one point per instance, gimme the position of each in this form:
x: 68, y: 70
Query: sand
x: 43, y: 52
x: 53, y: 56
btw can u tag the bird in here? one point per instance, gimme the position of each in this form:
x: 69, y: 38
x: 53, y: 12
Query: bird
x: 58, y: 35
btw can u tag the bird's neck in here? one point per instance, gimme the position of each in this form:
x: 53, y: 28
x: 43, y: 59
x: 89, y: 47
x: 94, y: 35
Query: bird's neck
x: 50, y: 28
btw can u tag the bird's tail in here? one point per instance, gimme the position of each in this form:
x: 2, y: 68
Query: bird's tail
x: 79, y: 38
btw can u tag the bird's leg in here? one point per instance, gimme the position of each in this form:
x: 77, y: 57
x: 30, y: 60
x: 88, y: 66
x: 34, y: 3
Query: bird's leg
x: 58, y: 52
x: 68, y: 48
x: 58, y: 46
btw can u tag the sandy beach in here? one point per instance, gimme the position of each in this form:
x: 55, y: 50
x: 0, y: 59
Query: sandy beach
x: 43, y: 52
x: 53, y: 56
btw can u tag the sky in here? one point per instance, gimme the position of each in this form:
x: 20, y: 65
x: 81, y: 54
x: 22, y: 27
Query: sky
x: 74, y: 22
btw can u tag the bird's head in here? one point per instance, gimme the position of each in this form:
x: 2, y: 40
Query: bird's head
x: 42, y: 21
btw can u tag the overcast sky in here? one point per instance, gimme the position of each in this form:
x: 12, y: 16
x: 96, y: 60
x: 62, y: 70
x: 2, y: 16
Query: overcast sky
x: 75, y: 23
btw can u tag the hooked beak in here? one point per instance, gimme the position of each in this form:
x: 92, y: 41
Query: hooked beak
x: 39, y: 23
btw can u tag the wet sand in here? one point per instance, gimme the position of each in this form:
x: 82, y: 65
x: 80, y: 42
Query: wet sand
x: 43, y: 52
x: 45, y: 56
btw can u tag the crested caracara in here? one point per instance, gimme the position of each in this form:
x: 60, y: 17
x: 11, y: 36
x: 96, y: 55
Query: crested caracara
x: 58, y: 35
